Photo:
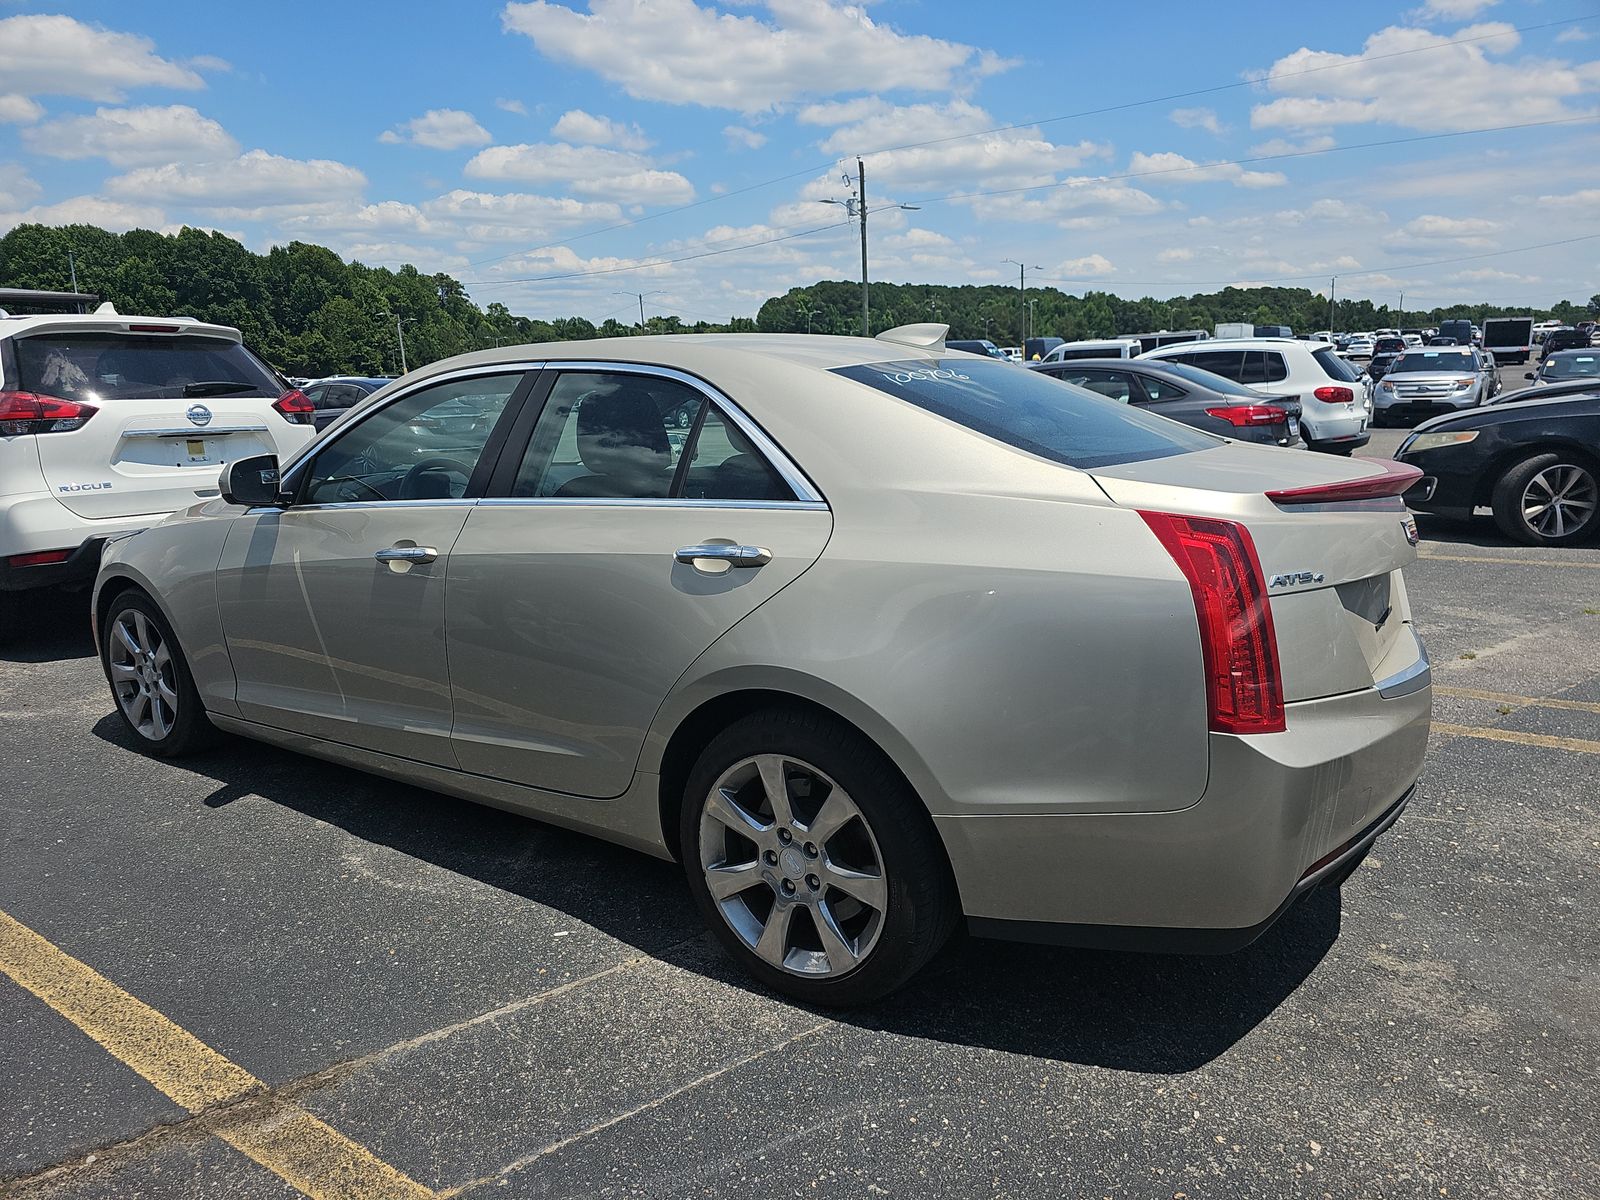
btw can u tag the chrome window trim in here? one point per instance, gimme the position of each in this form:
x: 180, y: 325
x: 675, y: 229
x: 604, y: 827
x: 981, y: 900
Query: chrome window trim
x: 334, y: 432
x: 646, y: 502
x: 440, y: 502
x: 192, y: 431
x: 805, y: 491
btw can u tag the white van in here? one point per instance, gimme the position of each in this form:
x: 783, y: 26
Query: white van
x: 1108, y: 348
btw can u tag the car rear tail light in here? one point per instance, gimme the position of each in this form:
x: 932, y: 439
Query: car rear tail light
x: 1244, y: 686
x: 39, y: 558
x: 31, y: 412
x: 1395, y: 478
x: 1249, y: 414
x: 295, y: 406
x: 1335, y: 395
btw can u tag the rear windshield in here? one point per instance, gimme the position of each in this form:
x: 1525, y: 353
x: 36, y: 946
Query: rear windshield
x: 1031, y: 411
x: 1390, y: 344
x: 1334, y: 366
x: 97, y: 367
x: 1572, y: 366
x: 1433, y: 360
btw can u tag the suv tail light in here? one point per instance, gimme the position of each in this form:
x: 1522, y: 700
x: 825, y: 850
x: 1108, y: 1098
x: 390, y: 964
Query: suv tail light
x: 1335, y: 395
x: 31, y: 412
x: 295, y: 406
x: 1249, y: 414
x: 1244, y: 685
x: 39, y: 558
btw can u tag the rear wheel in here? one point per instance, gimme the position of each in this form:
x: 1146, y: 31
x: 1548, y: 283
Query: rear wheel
x: 150, y: 680
x: 813, y: 861
x: 1548, y: 500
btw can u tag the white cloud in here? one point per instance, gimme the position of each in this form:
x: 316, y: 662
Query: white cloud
x: 1321, y: 141
x: 679, y: 52
x: 512, y: 106
x: 128, y: 137
x: 439, y: 129
x: 1178, y: 254
x: 1196, y: 118
x: 92, y: 210
x: 1090, y: 267
x: 487, y: 216
x: 1454, y: 10
x: 1433, y: 226
x: 17, y: 187
x: 740, y: 138
x: 1451, y: 86
x: 1587, y: 200
x: 1176, y: 168
x: 255, y: 180
x: 617, y: 175
x: 590, y: 130
x: 47, y: 55
x: 18, y: 110
x: 1573, y: 35
x: 1493, y: 275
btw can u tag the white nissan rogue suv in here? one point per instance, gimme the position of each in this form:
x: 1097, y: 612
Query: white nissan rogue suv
x: 109, y: 423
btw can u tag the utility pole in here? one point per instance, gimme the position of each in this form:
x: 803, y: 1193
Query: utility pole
x: 1333, y: 282
x: 856, y: 206
x: 1031, y: 303
x: 1402, y: 308
x: 1023, y: 316
x: 400, y: 336
x: 641, y: 296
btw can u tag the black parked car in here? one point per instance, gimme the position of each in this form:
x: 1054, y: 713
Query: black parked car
x: 332, y: 397
x: 1187, y: 394
x: 1535, y: 462
x: 1564, y: 339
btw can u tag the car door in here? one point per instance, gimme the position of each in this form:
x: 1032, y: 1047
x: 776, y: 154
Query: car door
x: 614, y: 548
x: 333, y: 608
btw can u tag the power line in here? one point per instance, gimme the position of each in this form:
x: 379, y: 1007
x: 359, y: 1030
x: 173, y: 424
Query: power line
x: 1255, y: 158
x: 1089, y: 112
x: 644, y: 265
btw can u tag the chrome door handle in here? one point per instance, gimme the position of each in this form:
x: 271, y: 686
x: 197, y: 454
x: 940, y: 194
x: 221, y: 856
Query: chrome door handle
x: 738, y: 556
x: 409, y: 554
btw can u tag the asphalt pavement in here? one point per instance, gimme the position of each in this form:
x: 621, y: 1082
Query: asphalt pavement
x: 463, y: 1002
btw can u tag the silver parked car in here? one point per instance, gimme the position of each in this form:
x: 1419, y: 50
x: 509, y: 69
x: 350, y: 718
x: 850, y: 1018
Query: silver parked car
x: 1425, y: 382
x: 891, y: 638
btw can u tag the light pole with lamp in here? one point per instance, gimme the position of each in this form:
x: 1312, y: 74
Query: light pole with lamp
x: 1024, y: 317
x: 856, y: 206
x: 400, y: 336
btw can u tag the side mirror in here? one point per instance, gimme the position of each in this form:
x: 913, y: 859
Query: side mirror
x: 252, y: 482
x: 1529, y: 375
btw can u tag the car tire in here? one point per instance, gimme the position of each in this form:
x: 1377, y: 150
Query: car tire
x: 868, y: 832
x: 150, y: 681
x: 1523, y: 513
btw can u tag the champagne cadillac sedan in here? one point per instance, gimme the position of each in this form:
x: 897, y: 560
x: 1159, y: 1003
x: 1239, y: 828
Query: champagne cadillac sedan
x: 874, y: 638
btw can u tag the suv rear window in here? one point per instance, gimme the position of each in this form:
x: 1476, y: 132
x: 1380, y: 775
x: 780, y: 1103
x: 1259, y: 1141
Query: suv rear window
x: 1031, y: 411
x: 99, y: 367
x: 1335, y: 367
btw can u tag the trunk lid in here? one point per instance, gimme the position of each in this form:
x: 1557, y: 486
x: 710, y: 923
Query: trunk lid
x: 1332, y: 568
x: 174, y: 401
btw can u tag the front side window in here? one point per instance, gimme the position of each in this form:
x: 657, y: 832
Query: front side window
x: 424, y: 446
x: 626, y: 436
x: 1030, y: 411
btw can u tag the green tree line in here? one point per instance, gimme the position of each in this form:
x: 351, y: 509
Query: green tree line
x: 309, y: 312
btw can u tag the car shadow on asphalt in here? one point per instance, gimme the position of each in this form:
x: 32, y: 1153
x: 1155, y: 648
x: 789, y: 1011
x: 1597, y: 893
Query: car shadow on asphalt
x: 53, y: 627
x: 1151, y: 1013
x: 1480, y: 531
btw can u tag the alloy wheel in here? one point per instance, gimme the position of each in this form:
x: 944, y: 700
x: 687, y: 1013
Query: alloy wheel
x: 1559, y: 500
x: 143, y: 675
x: 792, y: 866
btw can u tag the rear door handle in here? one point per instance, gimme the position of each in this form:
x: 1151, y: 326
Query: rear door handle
x: 409, y: 554
x: 738, y: 556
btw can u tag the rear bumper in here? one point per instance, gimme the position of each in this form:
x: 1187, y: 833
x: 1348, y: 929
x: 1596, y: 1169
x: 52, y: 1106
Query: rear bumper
x: 37, y: 522
x: 1281, y: 813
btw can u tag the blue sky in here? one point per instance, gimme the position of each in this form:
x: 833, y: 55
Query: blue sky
x: 493, y: 141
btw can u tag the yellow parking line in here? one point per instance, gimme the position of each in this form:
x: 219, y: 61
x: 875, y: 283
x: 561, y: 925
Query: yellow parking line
x: 1515, y: 562
x: 1578, y: 745
x: 277, y: 1134
x: 1519, y: 701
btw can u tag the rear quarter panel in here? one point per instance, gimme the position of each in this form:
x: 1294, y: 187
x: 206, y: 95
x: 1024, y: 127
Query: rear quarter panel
x: 175, y: 564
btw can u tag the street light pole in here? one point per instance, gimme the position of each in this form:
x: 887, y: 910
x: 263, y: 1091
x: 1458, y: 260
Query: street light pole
x: 1025, y: 315
x: 1333, y: 282
x: 400, y: 336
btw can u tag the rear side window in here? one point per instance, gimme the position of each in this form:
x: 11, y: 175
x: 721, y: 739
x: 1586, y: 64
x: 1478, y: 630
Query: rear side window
x: 1263, y: 366
x: 1335, y: 367
x: 1227, y: 363
x: 99, y: 367
x: 1031, y: 411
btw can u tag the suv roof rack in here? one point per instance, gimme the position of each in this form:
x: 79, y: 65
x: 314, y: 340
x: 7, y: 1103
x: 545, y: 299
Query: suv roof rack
x: 13, y: 298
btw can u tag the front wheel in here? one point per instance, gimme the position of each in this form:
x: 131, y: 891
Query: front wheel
x: 812, y: 860
x: 150, y: 680
x: 1548, y: 500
